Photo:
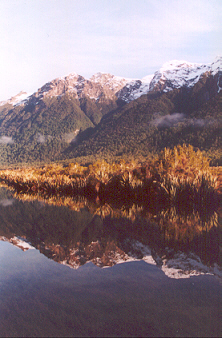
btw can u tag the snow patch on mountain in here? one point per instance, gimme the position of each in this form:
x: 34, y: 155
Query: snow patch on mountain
x: 19, y: 242
x: 111, y: 81
x: 216, y: 68
x: 176, y: 74
x: 186, y: 265
x: 109, y: 84
x: 174, y: 264
x: 69, y: 84
x: 216, y: 65
x: 173, y: 74
x: 180, y: 265
x: 20, y: 98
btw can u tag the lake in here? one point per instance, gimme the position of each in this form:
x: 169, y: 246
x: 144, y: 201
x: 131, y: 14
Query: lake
x: 72, y: 267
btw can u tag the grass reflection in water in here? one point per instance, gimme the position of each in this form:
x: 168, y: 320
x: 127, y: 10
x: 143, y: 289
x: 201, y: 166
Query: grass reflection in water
x: 88, y: 230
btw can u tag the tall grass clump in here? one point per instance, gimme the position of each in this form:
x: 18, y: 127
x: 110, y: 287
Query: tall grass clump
x: 180, y: 176
x: 186, y: 178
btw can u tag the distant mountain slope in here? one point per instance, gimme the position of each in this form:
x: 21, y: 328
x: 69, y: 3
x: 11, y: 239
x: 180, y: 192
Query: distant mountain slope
x: 73, y: 116
x: 154, y: 121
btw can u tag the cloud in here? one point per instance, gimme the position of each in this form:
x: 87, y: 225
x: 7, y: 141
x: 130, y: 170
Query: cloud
x: 70, y: 137
x: 40, y: 138
x: 6, y: 140
x: 199, y: 123
x: 127, y: 38
x: 168, y: 120
x: 6, y: 202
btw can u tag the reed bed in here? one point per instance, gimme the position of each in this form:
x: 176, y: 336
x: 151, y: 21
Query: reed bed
x: 179, y: 176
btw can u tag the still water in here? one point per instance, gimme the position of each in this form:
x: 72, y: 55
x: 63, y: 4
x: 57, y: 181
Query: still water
x: 70, y: 267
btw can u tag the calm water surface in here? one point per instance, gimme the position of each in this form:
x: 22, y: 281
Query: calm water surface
x: 77, y: 268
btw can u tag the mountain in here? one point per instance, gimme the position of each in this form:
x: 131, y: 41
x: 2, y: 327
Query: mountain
x: 178, y: 265
x: 73, y: 117
x: 151, y: 123
x: 16, y: 100
x: 173, y: 74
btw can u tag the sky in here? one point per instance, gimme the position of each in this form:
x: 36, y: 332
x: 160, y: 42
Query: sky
x: 44, y: 39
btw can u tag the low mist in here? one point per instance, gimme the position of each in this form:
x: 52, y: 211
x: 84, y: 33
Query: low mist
x: 6, y: 140
x: 6, y: 202
x: 168, y: 121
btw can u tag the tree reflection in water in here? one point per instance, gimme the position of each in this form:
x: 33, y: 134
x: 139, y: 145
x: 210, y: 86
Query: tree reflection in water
x: 75, y: 230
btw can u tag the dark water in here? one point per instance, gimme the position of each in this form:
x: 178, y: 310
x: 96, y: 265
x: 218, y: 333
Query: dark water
x: 94, y: 270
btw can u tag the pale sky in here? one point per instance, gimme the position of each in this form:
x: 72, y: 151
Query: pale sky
x: 44, y: 39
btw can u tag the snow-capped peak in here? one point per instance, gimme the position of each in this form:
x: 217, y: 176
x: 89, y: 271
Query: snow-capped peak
x: 178, y: 64
x: 71, y: 75
x: 147, y: 79
x: 108, y: 80
x: 18, y: 99
x: 216, y: 65
x: 176, y: 74
x: 173, y: 74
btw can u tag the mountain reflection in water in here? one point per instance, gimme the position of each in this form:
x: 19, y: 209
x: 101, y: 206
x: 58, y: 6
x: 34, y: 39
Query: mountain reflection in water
x: 74, y: 231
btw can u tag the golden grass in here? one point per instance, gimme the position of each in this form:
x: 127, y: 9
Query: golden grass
x: 178, y: 176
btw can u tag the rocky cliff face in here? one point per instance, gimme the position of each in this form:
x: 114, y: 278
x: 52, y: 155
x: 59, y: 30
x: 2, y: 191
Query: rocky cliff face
x: 66, y: 85
x: 98, y: 86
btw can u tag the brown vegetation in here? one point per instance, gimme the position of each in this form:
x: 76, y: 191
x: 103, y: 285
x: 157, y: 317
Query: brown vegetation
x: 180, y: 176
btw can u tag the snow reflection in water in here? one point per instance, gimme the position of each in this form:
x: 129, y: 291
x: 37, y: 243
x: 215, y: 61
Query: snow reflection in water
x: 90, y: 293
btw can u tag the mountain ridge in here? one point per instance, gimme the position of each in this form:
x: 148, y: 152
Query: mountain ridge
x: 72, y: 117
x: 172, y: 74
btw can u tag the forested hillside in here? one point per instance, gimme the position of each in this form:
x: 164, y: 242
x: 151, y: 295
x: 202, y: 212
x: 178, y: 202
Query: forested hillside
x: 48, y: 128
x: 155, y: 121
